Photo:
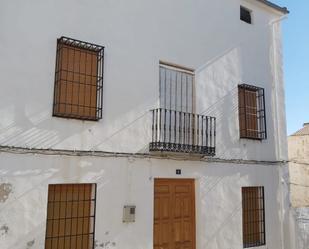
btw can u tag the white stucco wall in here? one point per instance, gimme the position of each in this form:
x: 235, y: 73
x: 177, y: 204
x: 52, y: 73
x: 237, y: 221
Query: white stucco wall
x: 205, y: 35
x: 302, y: 227
x: 129, y: 180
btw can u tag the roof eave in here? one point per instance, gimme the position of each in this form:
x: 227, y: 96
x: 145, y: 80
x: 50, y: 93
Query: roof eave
x: 283, y: 10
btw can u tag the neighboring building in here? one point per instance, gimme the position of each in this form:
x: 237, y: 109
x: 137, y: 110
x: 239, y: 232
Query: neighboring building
x: 180, y: 142
x: 298, y: 144
x: 299, y: 166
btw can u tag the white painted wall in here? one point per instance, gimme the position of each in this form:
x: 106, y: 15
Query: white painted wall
x: 130, y: 181
x: 206, y: 35
x: 203, y: 34
x: 302, y: 227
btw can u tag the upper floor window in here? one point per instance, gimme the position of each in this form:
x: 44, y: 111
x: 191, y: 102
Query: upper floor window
x: 252, y: 119
x: 175, y: 125
x: 78, y: 80
x: 245, y: 15
x: 176, y: 87
x: 253, y: 216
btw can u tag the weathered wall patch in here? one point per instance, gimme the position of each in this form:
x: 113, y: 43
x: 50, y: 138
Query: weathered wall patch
x: 5, y: 190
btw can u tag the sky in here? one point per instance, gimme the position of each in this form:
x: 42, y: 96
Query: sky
x: 296, y: 62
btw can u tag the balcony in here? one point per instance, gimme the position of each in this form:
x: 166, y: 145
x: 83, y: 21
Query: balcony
x: 174, y: 131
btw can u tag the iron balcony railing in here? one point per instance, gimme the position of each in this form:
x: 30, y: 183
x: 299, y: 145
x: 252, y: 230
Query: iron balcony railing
x: 176, y: 131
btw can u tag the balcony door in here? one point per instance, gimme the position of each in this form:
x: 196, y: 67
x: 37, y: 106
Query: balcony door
x: 176, y: 127
x: 176, y: 88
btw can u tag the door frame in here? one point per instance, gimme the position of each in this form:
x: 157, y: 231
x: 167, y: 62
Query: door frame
x: 193, y: 182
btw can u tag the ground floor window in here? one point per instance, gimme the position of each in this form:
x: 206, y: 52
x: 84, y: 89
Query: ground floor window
x: 70, y: 216
x: 253, y: 216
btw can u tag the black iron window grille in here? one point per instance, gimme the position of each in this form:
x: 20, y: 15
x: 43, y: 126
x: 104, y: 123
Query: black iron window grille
x: 176, y: 88
x: 253, y: 214
x: 245, y: 15
x: 252, y: 114
x: 78, y: 90
x: 176, y: 131
x: 70, y: 216
x: 175, y: 126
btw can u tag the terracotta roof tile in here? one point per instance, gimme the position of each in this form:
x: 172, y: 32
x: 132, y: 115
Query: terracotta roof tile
x: 303, y: 131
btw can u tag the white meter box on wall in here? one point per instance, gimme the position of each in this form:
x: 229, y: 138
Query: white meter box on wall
x: 129, y: 213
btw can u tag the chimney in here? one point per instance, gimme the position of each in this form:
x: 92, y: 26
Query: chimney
x: 306, y: 124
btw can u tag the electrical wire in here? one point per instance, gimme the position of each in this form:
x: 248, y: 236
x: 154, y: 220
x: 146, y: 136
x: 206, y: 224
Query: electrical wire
x: 53, y: 152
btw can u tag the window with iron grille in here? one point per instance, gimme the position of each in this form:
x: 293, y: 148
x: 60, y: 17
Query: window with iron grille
x: 245, y: 15
x: 78, y: 80
x: 252, y: 115
x: 175, y: 125
x: 253, y: 216
x: 70, y: 216
x: 176, y: 87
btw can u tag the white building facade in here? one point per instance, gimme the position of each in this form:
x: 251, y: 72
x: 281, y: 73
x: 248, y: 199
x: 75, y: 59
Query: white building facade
x: 177, y: 113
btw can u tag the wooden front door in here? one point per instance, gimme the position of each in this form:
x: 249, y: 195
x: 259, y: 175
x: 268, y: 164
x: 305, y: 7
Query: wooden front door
x: 174, y: 214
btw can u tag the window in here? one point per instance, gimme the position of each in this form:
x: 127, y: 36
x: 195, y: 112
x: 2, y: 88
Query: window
x: 78, y: 80
x: 176, y: 87
x: 245, y: 15
x: 175, y: 125
x: 252, y: 116
x: 253, y: 216
x: 70, y: 216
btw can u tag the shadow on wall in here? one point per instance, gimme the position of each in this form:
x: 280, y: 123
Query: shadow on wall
x: 219, y: 79
x: 24, y: 208
x: 226, y: 112
x: 223, y: 213
x: 24, y: 204
x: 27, y: 124
x: 23, y: 214
x: 221, y: 202
x: 40, y: 130
x: 32, y: 130
x: 31, y: 126
x: 302, y: 227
